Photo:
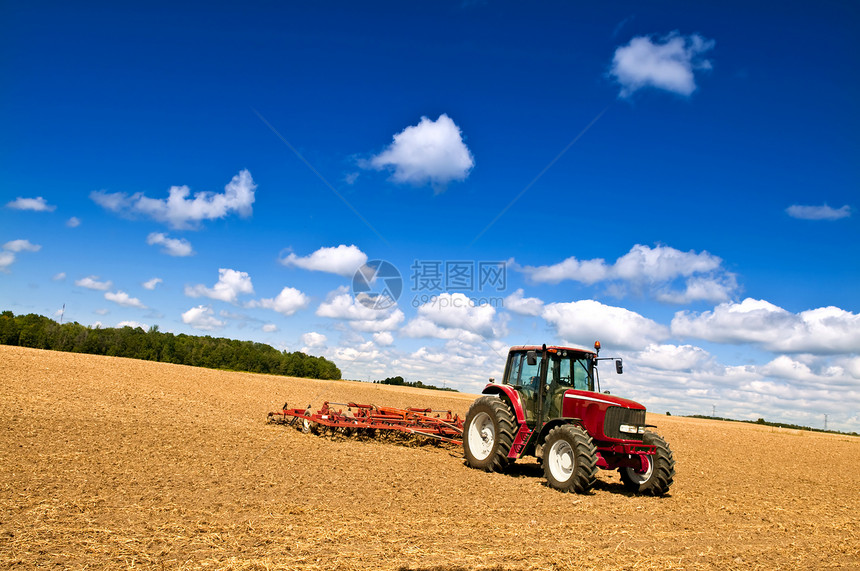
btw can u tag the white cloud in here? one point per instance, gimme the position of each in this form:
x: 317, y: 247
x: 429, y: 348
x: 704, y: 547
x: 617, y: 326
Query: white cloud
x: 586, y: 321
x: 132, y: 324
x: 151, y: 284
x: 91, y: 282
x: 430, y: 152
x: 818, y: 212
x: 825, y: 330
x: 672, y: 357
x: 456, y: 310
x: 180, y: 212
x: 342, y: 260
x: 7, y: 255
x: 662, y: 263
x: 73, y: 222
x: 456, y: 316
x: 656, y: 267
x: 340, y: 304
x: 58, y: 277
x: 37, y: 204
x: 231, y: 284
x: 179, y: 247
x: 289, y: 301
x: 202, y: 317
x: 702, y: 289
x: 586, y: 271
x: 6, y: 260
x: 269, y: 328
x: 123, y: 299
x: 667, y: 63
x: 21, y: 246
x: 523, y: 305
x: 383, y: 338
x: 314, y: 339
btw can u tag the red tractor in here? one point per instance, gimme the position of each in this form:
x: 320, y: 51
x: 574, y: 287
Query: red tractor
x: 547, y: 407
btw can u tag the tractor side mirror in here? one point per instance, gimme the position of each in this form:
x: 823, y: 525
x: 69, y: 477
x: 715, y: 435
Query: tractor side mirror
x: 531, y: 358
x: 618, y: 367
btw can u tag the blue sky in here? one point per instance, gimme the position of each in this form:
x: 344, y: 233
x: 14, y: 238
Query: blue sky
x: 678, y: 182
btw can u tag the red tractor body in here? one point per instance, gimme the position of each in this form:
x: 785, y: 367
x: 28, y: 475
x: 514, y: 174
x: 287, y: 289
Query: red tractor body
x: 547, y: 406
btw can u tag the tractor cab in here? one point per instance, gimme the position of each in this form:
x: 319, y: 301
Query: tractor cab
x: 542, y: 375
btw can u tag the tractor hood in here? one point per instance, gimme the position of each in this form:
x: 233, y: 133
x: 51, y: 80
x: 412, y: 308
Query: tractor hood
x: 603, y: 398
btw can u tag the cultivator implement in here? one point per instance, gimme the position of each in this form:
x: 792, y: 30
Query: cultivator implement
x: 368, y: 419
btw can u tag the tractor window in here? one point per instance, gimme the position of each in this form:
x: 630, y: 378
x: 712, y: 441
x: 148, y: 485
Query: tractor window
x: 582, y: 374
x: 530, y: 376
x: 514, y: 372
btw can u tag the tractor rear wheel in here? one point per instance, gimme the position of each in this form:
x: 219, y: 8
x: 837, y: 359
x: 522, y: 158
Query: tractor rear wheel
x: 488, y: 434
x: 658, y: 476
x: 569, y: 459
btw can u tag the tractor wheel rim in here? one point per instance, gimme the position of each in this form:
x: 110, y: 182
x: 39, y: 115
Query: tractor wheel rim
x: 639, y: 477
x: 561, y: 461
x: 482, y: 436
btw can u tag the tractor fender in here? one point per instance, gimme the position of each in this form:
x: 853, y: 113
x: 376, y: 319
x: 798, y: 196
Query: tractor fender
x: 510, y: 395
x: 557, y: 422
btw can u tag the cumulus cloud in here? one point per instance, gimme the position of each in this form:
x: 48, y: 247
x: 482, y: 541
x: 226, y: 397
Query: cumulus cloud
x: 179, y: 247
x: 202, y: 317
x: 818, y: 212
x: 21, y: 246
x: 58, y: 277
x: 178, y: 210
x: 37, y: 204
x: 430, y: 152
x: 6, y: 260
x: 453, y: 316
x: 523, y: 305
x: 73, y: 222
x: 289, y: 301
x: 823, y: 331
x: 718, y: 288
x: 92, y: 282
x: 383, y: 338
x: 658, y: 267
x: 586, y: 321
x: 231, y: 284
x: 314, y: 339
x: 151, y: 284
x: 668, y: 63
x: 269, y: 328
x: 7, y: 254
x: 123, y: 299
x: 672, y: 357
x: 340, y: 304
x: 342, y: 260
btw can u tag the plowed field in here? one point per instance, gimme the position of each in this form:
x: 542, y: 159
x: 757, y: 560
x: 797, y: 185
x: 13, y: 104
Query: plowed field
x: 108, y: 463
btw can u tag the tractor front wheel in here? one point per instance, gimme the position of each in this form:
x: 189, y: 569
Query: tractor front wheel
x: 656, y: 478
x: 488, y: 434
x: 569, y: 459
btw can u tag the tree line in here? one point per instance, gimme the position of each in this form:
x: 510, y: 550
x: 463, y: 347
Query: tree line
x: 400, y: 382
x: 40, y: 332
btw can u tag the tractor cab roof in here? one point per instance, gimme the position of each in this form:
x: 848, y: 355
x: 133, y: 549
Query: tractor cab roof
x: 551, y: 349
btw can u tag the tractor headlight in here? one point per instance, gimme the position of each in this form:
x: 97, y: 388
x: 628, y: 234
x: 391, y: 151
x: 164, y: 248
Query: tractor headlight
x: 628, y: 428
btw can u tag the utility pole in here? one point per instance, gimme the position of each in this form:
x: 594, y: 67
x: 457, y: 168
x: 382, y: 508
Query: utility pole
x: 714, y: 410
x: 825, y: 422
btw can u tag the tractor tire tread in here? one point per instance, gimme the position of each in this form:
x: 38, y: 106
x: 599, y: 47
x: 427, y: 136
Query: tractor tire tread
x: 506, y: 423
x: 585, y: 473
